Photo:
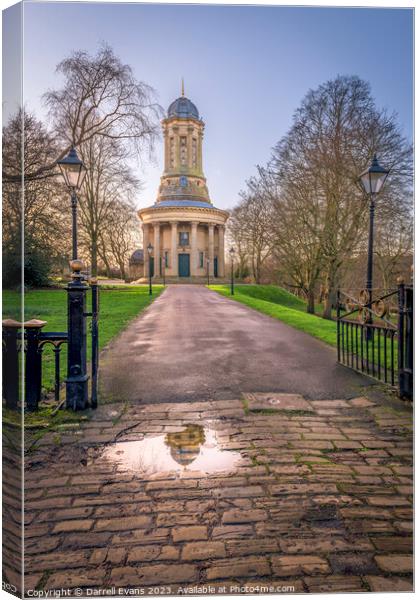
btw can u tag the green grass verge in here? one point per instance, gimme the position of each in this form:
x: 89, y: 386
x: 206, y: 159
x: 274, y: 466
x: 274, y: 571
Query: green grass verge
x: 118, y: 306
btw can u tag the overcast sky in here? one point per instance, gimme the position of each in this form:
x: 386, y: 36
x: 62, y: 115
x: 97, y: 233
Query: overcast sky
x: 246, y: 68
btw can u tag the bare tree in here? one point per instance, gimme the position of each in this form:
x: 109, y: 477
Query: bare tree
x: 100, y: 97
x: 32, y: 204
x: 109, y: 182
x: 335, y: 132
x: 298, y: 234
x: 253, y: 225
x: 237, y: 233
x: 118, y: 241
x: 393, y: 247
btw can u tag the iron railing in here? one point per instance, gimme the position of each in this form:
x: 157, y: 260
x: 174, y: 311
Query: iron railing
x: 34, y: 341
x: 376, y: 338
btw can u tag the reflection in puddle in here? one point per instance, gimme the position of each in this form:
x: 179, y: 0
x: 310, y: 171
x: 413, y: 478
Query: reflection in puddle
x: 194, y: 449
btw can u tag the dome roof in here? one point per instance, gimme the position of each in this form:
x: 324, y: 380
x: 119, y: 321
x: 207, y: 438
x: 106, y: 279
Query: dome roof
x: 136, y: 257
x: 183, y: 107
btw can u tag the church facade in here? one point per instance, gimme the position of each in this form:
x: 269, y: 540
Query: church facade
x: 183, y: 230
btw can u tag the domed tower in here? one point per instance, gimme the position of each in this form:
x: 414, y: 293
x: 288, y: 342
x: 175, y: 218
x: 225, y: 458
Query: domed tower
x: 184, y: 228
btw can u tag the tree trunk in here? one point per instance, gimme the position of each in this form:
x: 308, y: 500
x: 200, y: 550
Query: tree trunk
x: 258, y: 271
x: 330, y: 291
x: 94, y: 256
x: 310, y: 302
x: 328, y: 303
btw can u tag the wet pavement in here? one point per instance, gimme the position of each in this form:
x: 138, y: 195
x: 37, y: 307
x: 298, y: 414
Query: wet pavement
x: 317, y: 497
x: 193, y: 344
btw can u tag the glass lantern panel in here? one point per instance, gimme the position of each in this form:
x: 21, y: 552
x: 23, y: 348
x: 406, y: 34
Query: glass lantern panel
x: 73, y: 175
x: 366, y: 182
x: 377, y: 181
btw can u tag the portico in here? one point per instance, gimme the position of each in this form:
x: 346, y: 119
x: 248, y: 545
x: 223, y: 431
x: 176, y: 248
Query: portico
x: 200, y: 243
x: 186, y: 231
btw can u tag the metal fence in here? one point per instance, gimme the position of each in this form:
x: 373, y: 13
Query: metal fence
x: 35, y: 343
x: 375, y: 336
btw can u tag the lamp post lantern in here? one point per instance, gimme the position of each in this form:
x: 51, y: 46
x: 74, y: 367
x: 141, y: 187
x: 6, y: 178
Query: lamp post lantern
x: 73, y: 171
x: 150, y: 250
x: 232, y: 254
x: 372, y: 179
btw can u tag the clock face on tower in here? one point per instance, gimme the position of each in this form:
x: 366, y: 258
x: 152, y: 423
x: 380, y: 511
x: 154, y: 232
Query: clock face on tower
x: 183, y: 181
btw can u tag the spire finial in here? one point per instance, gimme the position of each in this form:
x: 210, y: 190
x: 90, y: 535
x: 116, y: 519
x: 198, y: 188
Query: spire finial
x: 182, y: 87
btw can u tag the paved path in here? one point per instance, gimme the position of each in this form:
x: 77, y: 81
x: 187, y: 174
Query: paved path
x: 318, y: 501
x: 193, y: 344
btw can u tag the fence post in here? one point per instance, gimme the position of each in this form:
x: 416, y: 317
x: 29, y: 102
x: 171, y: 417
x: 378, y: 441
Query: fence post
x: 409, y: 341
x: 95, y: 341
x: 405, y: 340
x: 77, y: 377
x: 338, y: 326
x: 10, y: 357
x: 400, y: 334
x: 33, y: 364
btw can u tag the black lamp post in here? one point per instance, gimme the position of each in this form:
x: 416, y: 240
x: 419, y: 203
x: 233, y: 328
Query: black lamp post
x: 73, y: 171
x: 232, y: 254
x: 373, y: 178
x: 163, y: 267
x: 150, y: 250
x: 208, y: 271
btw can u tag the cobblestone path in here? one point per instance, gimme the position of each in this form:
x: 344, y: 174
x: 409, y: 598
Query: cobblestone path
x: 320, y: 500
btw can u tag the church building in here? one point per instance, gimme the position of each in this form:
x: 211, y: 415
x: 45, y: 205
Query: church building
x: 185, y: 233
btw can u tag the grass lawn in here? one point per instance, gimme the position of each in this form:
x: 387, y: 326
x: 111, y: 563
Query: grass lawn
x: 117, y: 307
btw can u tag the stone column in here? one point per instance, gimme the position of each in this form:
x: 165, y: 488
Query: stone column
x: 193, y: 256
x: 221, y: 254
x: 145, y: 251
x: 174, y: 246
x: 211, y: 250
x: 156, y: 250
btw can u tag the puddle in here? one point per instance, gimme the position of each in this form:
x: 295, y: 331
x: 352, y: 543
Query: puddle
x: 193, y: 449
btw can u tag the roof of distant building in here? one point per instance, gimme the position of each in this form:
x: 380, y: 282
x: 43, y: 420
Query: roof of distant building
x: 184, y: 108
x: 182, y: 203
x: 136, y: 257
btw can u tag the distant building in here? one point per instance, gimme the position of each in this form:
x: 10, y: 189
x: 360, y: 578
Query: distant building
x: 186, y: 231
x: 136, y: 265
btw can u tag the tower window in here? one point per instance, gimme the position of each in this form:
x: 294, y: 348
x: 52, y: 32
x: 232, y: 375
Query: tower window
x: 194, y: 152
x: 172, y: 151
x: 184, y: 238
x: 183, y: 150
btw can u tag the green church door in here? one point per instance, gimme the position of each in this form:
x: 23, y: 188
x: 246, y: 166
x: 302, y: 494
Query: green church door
x: 152, y: 266
x: 215, y: 267
x: 184, y: 265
